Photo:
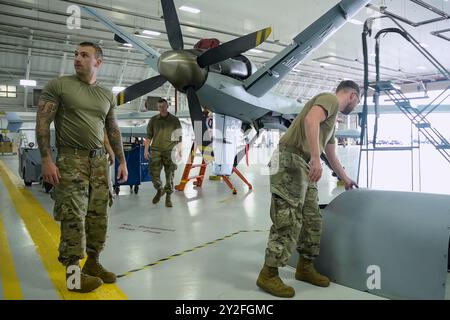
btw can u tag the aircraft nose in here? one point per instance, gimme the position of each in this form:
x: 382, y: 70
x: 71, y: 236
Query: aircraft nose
x: 180, y: 68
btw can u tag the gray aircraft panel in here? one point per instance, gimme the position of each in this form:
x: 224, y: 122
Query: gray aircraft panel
x: 405, y: 234
x: 227, y: 96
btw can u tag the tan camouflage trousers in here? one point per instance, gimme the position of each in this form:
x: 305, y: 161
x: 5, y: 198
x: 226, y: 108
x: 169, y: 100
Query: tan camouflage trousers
x: 81, y: 205
x: 294, y: 211
x: 158, y: 160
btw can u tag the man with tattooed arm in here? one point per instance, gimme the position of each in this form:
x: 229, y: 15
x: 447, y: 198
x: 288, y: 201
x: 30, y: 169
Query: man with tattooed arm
x: 82, y: 112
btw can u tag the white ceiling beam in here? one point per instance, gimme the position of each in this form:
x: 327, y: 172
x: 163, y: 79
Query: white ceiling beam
x: 62, y: 68
x: 121, y: 72
x: 27, y: 72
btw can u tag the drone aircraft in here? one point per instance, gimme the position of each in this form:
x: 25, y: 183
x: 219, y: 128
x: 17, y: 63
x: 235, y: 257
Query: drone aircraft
x: 224, y: 80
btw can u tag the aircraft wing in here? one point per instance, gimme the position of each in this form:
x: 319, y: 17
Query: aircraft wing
x: 151, y: 54
x: 303, y: 44
x: 348, y: 133
x: 147, y: 115
x: 16, y: 120
x: 140, y: 132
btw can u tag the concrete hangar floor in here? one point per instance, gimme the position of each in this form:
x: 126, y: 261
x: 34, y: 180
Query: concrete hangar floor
x: 210, y: 245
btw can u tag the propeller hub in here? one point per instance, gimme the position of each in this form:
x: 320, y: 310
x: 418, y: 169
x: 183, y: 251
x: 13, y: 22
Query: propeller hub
x: 181, y: 69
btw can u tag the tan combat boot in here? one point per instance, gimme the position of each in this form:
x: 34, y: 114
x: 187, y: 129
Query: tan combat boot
x: 93, y: 268
x: 158, y: 196
x: 270, y: 282
x: 306, y: 272
x: 168, y: 201
x: 87, y: 283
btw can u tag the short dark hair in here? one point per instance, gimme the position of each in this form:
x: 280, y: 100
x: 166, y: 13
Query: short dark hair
x: 348, y: 84
x: 162, y: 100
x: 98, y: 50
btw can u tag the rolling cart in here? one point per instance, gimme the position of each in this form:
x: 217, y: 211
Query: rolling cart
x: 137, y: 168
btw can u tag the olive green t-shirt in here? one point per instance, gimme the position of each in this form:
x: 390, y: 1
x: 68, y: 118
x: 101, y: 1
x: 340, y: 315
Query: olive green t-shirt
x: 165, y: 132
x: 82, y: 111
x: 295, y: 136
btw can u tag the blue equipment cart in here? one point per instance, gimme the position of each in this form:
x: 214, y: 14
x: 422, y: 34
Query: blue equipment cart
x: 137, y: 168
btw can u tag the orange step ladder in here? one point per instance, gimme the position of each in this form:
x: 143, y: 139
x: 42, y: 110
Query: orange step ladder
x: 201, y: 175
x: 187, y: 170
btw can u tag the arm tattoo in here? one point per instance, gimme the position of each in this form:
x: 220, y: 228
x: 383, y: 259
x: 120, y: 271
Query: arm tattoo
x: 115, y: 138
x: 107, y: 144
x: 45, y: 115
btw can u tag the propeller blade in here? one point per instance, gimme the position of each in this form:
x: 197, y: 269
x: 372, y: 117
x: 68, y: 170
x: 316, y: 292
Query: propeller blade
x: 139, y: 89
x: 172, y: 25
x: 234, y: 47
x: 198, y: 118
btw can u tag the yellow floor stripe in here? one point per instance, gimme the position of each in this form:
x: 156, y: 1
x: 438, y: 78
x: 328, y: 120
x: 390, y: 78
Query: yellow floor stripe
x: 10, y: 281
x: 45, y: 233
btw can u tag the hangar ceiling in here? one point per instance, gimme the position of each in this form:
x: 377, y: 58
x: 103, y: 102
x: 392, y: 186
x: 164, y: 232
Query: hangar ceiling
x: 38, y: 28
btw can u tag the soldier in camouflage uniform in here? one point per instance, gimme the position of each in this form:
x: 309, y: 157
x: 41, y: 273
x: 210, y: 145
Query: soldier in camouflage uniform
x: 164, y: 135
x: 82, y: 111
x: 295, y: 170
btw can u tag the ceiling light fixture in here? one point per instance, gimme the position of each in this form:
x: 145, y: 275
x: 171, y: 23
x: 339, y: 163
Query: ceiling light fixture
x: 137, y: 34
x: 189, y: 9
x: 28, y: 83
x: 151, y: 33
x: 356, y: 22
